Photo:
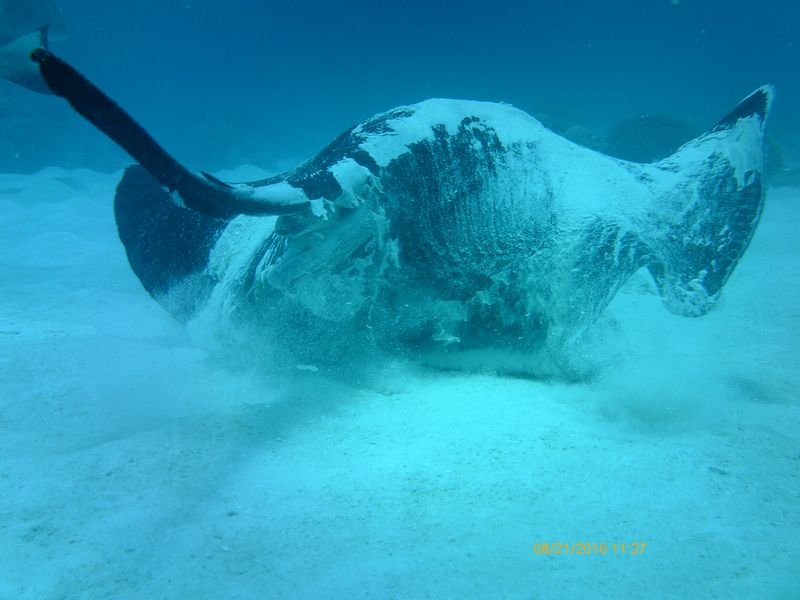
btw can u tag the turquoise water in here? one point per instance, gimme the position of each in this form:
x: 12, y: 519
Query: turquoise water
x: 141, y: 459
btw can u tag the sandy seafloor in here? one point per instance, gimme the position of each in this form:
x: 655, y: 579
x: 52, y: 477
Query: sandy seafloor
x: 134, y: 465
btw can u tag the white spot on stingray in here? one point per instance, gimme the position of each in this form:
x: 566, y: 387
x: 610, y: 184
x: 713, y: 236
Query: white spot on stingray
x: 351, y: 177
x: 318, y: 208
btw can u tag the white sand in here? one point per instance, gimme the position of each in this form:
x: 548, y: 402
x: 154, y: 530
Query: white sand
x: 132, y: 466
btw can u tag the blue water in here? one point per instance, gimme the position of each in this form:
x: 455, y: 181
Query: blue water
x: 280, y: 79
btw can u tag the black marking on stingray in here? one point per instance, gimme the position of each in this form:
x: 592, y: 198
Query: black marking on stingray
x: 319, y: 184
x: 314, y: 177
x: 446, y: 227
x: 736, y: 211
x: 756, y: 103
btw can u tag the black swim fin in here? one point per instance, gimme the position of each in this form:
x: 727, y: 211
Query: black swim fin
x: 15, y: 64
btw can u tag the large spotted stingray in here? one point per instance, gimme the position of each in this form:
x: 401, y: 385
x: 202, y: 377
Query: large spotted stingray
x: 447, y: 228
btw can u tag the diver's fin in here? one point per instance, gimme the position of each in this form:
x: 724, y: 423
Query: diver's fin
x: 714, y: 207
x: 15, y: 64
x: 167, y: 245
x: 196, y: 193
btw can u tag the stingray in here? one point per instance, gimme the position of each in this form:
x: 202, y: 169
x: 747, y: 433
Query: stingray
x: 448, y: 228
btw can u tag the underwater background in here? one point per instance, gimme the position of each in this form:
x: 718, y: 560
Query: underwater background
x: 137, y: 460
x: 270, y: 83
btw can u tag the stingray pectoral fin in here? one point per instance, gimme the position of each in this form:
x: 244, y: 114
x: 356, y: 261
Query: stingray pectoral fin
x: 167, y: 245
x: 755, y: 105
x: 714, y: 209
x: 209, y: 196
x: 15, y: 65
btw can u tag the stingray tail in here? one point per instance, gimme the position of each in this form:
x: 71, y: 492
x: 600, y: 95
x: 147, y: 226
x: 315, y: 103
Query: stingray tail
x: 15, y: 63
x: 712, y: 207
x: 206, y: 194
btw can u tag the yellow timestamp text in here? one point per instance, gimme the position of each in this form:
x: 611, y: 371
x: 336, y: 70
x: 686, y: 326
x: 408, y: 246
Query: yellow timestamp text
x: 587, y: 549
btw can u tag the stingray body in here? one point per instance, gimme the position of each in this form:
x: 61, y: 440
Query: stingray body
x: 445, y: 228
